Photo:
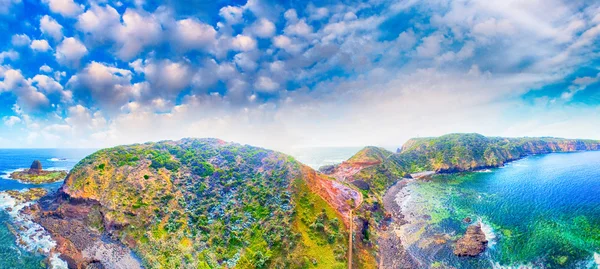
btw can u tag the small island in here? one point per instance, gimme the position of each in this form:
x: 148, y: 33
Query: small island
x: 36, y: 175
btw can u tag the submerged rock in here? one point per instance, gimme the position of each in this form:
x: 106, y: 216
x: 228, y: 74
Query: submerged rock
x: 472, y: 243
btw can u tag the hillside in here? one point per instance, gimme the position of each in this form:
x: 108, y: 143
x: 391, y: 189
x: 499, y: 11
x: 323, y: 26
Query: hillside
x: 466, y: 152
x: 201, y: 203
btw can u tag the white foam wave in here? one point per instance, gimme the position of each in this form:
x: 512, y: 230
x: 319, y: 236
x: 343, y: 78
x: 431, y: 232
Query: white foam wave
x: 597, y: 259
x: 30, y: 235
x: 57, y: 160
x: 6, y: 173
x: 57, y: 263
x: 484, y: 171
x: 489, y: 232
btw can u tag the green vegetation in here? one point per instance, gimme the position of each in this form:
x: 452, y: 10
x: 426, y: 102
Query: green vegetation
x: 466, y: 152
x: 40, y: 177
x: 210, y: 204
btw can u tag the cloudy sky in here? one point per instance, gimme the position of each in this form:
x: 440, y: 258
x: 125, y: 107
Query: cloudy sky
x: 279, y: 74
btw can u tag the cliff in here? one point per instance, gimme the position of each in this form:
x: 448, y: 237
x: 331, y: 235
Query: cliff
x: 202, y: 203
x: 467, y: 152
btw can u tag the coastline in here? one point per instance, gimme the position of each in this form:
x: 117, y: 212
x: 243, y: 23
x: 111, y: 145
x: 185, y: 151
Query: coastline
x: 392, y: 254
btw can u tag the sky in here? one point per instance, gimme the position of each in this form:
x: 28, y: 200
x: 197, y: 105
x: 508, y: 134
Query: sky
x: 282, y: 74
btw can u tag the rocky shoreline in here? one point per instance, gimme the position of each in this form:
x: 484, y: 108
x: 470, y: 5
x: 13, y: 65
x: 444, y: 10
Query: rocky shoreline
x: 68, y: 222
x: 392, y: 254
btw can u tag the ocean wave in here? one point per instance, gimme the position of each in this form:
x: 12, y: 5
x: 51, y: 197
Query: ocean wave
x: 57, y: 263
x: 484, y: 171
x: 6, y: 173
x: 30, y: 235
x: 57, y: 160
x: 490, y: 236
x: 597, y: 259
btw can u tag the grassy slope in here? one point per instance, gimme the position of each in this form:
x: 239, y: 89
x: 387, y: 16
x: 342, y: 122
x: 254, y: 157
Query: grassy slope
x: 206, y: 204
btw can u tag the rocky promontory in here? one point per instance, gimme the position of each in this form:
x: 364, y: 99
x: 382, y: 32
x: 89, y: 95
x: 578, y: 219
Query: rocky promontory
x: 472, y: 243
x: 198, y: 203
x: 37, y: 175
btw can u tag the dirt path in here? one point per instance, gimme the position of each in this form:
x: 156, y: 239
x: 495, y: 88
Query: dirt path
x: 350, y: 241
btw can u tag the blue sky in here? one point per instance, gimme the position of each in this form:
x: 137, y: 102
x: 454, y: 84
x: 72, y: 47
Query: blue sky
x: 295, y: 73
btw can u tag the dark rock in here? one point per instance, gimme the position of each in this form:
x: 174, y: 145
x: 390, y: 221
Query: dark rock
x: 467, y: 220
x: 36, y: 167
x: 472, y: 243
x: 327, y: 169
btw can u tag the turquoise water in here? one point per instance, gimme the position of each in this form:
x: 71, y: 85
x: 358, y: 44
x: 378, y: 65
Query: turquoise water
x: 539, y: 212
x: 13, y: 255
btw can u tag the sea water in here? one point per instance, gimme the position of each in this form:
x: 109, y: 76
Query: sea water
x: 22, y: 242
x: 539, y: 212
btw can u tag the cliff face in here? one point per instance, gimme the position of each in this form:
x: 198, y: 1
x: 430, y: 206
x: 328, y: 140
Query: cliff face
x: 465, y: 152
x: 204, y: 204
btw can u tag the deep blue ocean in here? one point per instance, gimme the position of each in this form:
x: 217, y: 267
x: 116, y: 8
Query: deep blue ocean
x: 11, y: 254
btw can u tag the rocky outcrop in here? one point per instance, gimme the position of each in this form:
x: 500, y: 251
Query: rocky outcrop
x: 36, y: 175
x: 472, y: 243
x: 36, y: 167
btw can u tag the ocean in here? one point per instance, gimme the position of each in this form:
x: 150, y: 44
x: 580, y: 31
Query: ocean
x: 539, y: 212
x: 12, y: 254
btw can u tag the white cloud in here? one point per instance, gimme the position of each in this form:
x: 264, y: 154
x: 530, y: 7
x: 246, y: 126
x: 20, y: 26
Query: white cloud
x: 40, y: 45
x: 291, y: 15
x: 243, y: 43
x: 19, y: 40
x: 430, y: 46
x: 286, y: 43
x: 70, y: 52
x: 11, y: 54
x: 67, y: 8
x: 246, y: 61
x: 11, y: 121
x: 99, y: 21
x: 139, y: 30
x: 192, y: 34
x: 263, y: 28
x: 318, y: 13
x: 50, y: 86
x: 301, y: 28
x: 51, y: 27
x: 231, y: 14
x: 27, y: 96
x: 165, y: 78
x: 493, y: 27
x: 110, y: 87
x: 265, y: 84
x: 45, y: 69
